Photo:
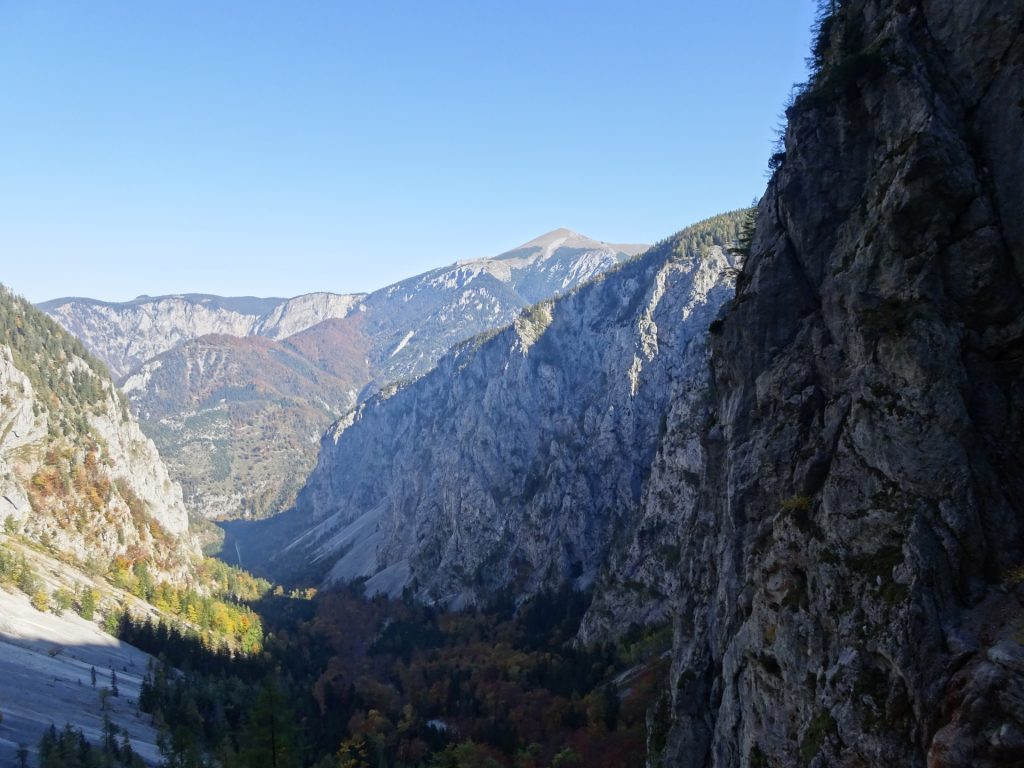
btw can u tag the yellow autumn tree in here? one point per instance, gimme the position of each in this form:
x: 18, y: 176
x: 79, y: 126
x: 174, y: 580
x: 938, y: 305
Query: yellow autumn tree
x: 41, y: 600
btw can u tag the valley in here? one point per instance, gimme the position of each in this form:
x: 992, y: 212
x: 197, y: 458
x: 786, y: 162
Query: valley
x: 236, y: 392
x: 540, y: 437
x: 750, y: 496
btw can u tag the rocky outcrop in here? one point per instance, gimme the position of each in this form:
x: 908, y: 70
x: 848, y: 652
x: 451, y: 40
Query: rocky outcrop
x: 20, y: 426
x: 522, y: 460
x: 76, y: 472
x: 295, y: 315
x: 850, y: 582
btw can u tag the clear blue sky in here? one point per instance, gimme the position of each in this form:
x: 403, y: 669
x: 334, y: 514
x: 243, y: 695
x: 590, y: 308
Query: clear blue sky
x: 277, y: 148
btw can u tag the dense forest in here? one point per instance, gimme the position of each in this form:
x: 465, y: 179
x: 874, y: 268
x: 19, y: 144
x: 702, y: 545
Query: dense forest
x: 350, y: 682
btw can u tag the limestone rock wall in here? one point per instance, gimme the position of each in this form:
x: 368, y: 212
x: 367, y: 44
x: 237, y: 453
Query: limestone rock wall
x: 849, y: 586
x: 522, y: 460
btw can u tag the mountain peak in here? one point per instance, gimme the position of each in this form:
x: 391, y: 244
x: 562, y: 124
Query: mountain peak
x: 564, y: 237
x: 557, y: 233
x: 557, y: 238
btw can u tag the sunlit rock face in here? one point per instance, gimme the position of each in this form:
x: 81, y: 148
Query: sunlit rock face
x: 524, y: 459
x: 76, y: 472
x: 849, y: 584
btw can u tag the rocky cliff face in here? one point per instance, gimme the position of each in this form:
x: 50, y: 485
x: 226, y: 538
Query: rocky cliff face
x: 521, y: 461
x: 850, y: 583
x: 76, y: 472
x: 124, y: 335
x: 411, y: 324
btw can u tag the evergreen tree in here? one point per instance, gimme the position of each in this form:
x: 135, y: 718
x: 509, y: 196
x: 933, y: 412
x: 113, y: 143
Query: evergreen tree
x: 226, y: 755
x: 87, y: 604
x: 109, y: 734
x: 147, y: 696
x: 269, y: 737
x: 28, y: 582
x: 47, y: 745
x: 126, y: 752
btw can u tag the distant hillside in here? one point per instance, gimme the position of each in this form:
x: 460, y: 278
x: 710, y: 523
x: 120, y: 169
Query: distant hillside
x: 239, y: 423
x: 126, y: 334
x: 240, y: 418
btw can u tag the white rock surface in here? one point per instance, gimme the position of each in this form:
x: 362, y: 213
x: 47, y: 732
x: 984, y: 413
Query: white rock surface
x: 19, y: 427
x: 45, y: 679
x: 302, y: 312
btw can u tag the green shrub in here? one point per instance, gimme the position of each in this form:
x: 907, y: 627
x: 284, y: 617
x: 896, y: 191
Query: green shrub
x: 60, y: 600
x: 818, y: 730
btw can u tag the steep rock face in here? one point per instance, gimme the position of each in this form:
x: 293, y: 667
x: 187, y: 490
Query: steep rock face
x: 640, y: 577
x: 76, y: 472
x: 521, y: 460
x: 124, y: 335
x: 411, y: 324
x: 850, y: 580
x: 297, y: 314
x: 20, y: 426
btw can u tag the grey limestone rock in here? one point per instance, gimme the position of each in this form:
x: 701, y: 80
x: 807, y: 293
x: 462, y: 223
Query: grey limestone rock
x: 42, y: 434
x: 848, y: 590
x: 523, y: 459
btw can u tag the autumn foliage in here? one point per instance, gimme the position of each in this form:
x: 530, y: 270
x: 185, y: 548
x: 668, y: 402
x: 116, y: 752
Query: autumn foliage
x: 367, y: 683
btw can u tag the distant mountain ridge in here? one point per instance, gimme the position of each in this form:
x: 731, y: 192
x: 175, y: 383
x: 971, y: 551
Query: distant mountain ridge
x: 126, y: 334
x: 221, y: 411
x: 246, y: 305
x: 522, y: 461
x: 412, y: 323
